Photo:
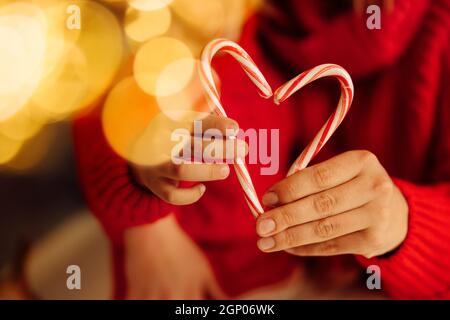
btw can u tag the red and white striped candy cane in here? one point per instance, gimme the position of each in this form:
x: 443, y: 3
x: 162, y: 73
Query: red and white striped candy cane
x: 333, y: 122
x: 284, y: 92
x: 264, y: 89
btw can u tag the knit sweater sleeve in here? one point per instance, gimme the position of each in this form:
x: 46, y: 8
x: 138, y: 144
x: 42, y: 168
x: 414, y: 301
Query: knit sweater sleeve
x: 110, y: 190
x: 419, y: 268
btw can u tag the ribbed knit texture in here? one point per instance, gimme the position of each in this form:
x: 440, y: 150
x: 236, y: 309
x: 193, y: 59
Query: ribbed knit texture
x: 419, y: 269
x: 401, y: 112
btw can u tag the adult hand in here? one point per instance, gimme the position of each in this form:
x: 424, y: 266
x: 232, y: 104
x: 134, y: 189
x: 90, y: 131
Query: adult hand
x: 345, y: 205
x: 163, y: 179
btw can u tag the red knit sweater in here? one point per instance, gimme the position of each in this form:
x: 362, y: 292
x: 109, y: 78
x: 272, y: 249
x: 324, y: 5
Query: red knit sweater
x: 401, y: 112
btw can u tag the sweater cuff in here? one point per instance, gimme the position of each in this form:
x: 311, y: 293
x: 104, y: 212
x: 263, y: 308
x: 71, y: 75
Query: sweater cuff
x: 418, y: 269
x: 119, y: 201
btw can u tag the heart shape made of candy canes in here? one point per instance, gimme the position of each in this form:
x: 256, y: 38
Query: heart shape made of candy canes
x: 280, y: 95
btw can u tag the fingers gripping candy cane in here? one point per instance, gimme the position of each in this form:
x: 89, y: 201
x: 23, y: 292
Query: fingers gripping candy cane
x: 283, y: 93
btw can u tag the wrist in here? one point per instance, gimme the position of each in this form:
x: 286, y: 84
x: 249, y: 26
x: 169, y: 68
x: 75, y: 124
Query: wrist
x: 149, y: 234
x: 400, y: 222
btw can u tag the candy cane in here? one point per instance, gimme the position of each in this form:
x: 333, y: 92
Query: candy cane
x: 264, y: 89
x: 333, y: 122
x: 284, y: 92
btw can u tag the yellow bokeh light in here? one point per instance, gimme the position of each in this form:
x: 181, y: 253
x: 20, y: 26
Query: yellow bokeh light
x: 22, y: 52
x: 65, y: 88
x: 49, y: 71
x: 188, y: 104
x: 91, y: 57
x: 235, y: 16
x: 148, y: 5
x: 135, y: 128
x: 8, y: 149
x: 205, y: 18
x: 141, y: 26
x: 154, y: 57
x: 101, y: 42
x: 22, y: 8
x: 60, y: 39
x: 194, y: 44
x: 34, y: 151
x: 126, y: 113
x: 197, y: 22
x: 174, y: 77
x: 12, y: 57
x: 22, y: 125
x: 53, y: 15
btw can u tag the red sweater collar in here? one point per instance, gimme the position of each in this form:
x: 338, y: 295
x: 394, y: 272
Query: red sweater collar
x: 301, y: 34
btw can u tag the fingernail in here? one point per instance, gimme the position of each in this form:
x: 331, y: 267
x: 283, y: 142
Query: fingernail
x: 202, y: 188
x: 270, y: 199
x: 225, y: 171
x: 266, y: 226
x: 266, y: 243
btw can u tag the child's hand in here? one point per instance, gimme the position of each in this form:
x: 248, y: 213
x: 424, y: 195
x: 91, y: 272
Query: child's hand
x: 346, y: 205
x: 162, y: 262
x: 163, y: 179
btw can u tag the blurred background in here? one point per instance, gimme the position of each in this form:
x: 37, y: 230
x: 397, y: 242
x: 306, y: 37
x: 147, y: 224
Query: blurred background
x: 59, y: 59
